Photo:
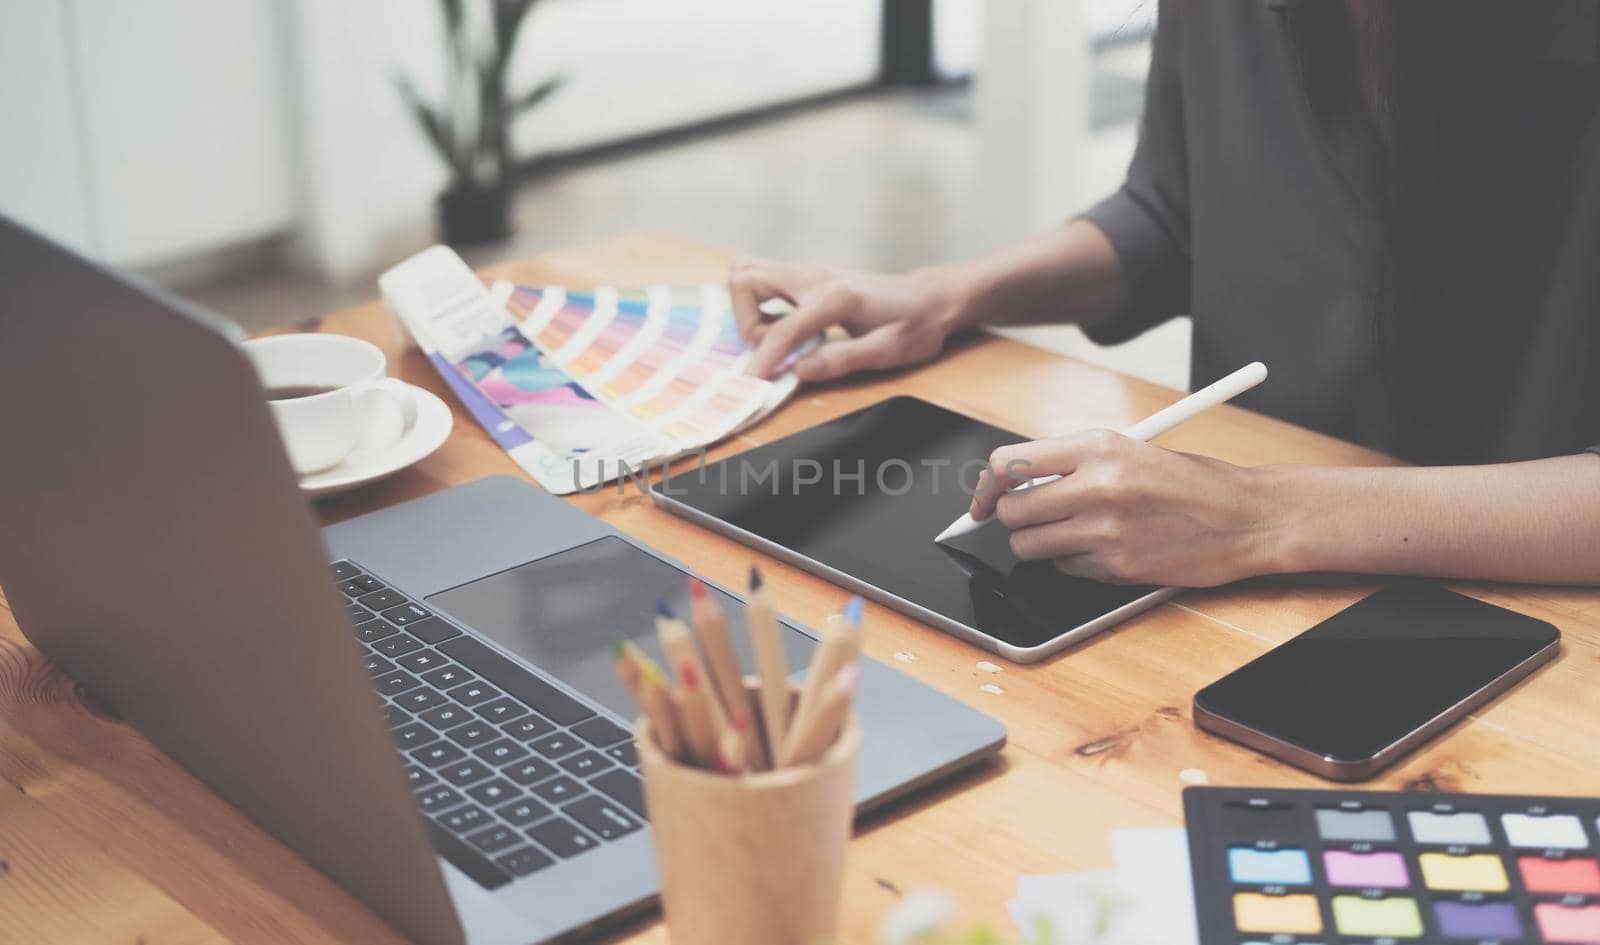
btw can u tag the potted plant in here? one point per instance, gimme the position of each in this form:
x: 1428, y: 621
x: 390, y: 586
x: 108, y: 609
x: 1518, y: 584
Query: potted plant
x: 471, y: 128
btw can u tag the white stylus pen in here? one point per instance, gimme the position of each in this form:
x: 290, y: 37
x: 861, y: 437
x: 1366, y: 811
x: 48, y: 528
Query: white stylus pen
x: 1152, y: 426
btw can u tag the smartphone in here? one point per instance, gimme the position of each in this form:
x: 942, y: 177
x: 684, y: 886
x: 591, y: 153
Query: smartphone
x: 1372, y: 683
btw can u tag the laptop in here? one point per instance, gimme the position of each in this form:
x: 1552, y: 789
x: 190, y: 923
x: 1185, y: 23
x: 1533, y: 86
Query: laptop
x: 419, y: 701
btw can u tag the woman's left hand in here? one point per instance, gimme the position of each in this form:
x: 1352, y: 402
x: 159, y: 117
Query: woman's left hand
x: 1127, y: 512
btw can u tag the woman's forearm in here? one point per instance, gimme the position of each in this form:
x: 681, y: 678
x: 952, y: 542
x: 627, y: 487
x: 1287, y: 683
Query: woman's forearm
x: 1536, y: 521
x: 1068, y: 274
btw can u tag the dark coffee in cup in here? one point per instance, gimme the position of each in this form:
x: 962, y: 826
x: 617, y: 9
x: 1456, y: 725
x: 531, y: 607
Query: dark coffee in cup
x: 295, y: 391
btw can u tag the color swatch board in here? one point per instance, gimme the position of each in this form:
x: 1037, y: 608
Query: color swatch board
x: 670, y: 358
x: 1340, y: 867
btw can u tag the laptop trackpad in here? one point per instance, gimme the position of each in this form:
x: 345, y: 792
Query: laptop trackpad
x: 560, y: 613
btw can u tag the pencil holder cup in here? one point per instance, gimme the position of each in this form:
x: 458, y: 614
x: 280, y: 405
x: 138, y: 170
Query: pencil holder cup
x: 755, y: 858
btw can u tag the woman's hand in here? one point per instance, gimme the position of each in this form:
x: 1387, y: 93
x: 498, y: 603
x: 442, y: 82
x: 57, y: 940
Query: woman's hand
x: 892, y: 320
x: 1127, y: 512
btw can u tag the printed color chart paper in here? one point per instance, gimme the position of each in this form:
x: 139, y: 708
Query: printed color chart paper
x: 583, y: 387
x: 670, y: 358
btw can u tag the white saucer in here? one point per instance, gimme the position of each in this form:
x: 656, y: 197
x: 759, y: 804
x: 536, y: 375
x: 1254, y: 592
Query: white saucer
x: 363, y: 466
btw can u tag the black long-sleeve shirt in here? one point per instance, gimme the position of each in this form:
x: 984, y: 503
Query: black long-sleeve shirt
x: 1238, y: 212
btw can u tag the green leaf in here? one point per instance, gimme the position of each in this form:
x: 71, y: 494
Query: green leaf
x: 432, y: 123
x: 455, y: 15
x: 531, y: 98
x: 508, y: 19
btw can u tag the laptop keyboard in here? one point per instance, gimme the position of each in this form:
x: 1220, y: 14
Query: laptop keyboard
x: 511, y: 773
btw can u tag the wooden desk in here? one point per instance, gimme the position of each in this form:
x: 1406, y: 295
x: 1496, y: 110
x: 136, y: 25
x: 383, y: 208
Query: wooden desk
x: 102, y: 839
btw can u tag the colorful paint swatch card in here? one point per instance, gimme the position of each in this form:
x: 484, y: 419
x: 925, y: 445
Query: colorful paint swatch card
x: 1356, y: 867
x: 670, y: 358
x: 582, y: 387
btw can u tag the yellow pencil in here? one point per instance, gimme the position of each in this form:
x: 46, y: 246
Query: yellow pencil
x: 656, y: 700
x: 772, y: 669
x: 808, y: 743
x: 839, y: 647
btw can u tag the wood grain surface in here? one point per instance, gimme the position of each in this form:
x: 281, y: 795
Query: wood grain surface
x: 103, y: 839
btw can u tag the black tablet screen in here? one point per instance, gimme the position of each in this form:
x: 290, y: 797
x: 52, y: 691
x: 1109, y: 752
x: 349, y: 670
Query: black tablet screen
x: 865, y: 494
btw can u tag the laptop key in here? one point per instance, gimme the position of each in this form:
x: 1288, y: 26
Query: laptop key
x: 358, y: 613
x: 445, y: 716
x: 624, y: 754
x: 463, y: 773
x: 377, y: 664
x: 624, y: 787
x: 343, y: 570
x: 413, y: 735
x: 374, y: 630
x: 602, y: 816
x: 503, y: 709
x: 466, y: 858
x: 381, y: 600
x: 523, y: 862
x: 600, y: 732
x: 419, y: 700
x: 562, y: 837
x: 438, y: 754
x: 523, y: 811
x: 494, y: 791
x: 556, y: 746
x: 395, y: 715
x: 439, y: 798
x: 368, y: 583
x: 585, y: 764
x: 465, y: 819
x: 474, y: 693
x: 396, y: 682
x: 446, y: 676
x: 558, y: 790
x: 530, y: 770
x: 406, y: 613
x: 422, y: 661
x: 528, y: 728
x: 397, y: 645
x: 532, y: 691
x: 472, y: 734
x: 352, y: 589
x: 494, y: 839
x: 433, y: 630
x: 502, y: 752
x: 419, y: 777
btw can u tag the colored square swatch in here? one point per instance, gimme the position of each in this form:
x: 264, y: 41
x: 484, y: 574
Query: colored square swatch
x: 1560, y: 876
x: 1466, y: 828
x: 1382, y: 870
x: 1478, y: 920
x: 1380, y: 918
x: 1480, y: 872
x: 1355, y: 826
x: 1560, y: 923
x: 1551, y: 832
x: 1294, y: 915
x: 1269, y: 867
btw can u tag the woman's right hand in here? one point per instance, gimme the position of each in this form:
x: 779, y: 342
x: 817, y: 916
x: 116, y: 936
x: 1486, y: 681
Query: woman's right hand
x: 891, y: 320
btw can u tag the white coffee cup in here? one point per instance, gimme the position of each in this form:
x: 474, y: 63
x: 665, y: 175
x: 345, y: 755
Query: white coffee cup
x: 357, y: 407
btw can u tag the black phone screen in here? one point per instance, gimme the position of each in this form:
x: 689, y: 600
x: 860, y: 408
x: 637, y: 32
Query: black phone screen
x: 1376, y: 671
x: 866, y: 494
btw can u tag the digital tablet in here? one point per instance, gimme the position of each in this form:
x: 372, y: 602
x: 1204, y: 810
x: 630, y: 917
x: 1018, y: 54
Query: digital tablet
x: 858, y: 500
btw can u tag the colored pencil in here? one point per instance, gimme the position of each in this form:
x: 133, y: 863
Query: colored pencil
x: 840, y: 646
x: 772, y: 670
x: 698, y: 729
x: 811, y: 742
x: 657, y: 702
x: 712, y: 630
